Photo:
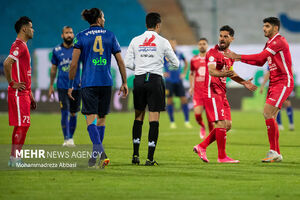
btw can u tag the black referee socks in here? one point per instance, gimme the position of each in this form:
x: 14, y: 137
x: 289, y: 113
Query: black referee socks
x: 152, y: 138
x: 136, y: 136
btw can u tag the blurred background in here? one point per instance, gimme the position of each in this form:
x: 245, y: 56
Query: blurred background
x: 183, y: 20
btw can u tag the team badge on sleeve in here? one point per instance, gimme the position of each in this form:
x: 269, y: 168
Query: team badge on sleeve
x: 211, y: 58
x: 16, y: 52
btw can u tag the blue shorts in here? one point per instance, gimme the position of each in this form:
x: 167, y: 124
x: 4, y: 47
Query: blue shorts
x: 174, y: 89
x: 68, y: 104
x: 96, y: 100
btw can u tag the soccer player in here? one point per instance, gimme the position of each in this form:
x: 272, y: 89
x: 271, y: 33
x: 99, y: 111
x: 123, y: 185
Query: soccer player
x: 197, y: 77
x: 17, y: 71
x: 94, y: 47
x: 216, y: 104
x: 61, y: 59
x: 287, y: 104
x: 145, y: 55
x: 174, y: 86
x: 278, y: 55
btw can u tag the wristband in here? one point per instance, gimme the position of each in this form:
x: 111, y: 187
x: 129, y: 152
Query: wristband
x: 71, y: 82
x: 11, y: 83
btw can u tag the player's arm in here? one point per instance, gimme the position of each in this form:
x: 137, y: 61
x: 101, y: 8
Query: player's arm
x: 73, y: 70
x: 33, y: 104
x: 185, y: 68
x: 266, y: 78
x: 246, y: 83
x: 192, y: 78
x: 52, y: 79
x: 171, y: 56
x: 217, y: 73
x: 7, y: 71
x: 121, y: 65
x: 253, y: 59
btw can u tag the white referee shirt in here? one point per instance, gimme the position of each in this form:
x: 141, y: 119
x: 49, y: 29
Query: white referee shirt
x: 146, y: 53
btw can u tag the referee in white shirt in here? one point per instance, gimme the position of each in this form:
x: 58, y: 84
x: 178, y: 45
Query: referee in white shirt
x: 145, y: 55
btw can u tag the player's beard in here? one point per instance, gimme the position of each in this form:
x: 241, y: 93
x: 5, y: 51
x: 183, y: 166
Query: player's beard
x: 68, y: 41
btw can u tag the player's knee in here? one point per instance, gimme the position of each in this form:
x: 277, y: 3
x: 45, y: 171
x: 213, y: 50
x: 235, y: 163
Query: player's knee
x: 220, y: 124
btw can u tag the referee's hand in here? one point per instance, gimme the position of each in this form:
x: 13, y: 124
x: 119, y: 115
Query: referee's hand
x: 123, y: 90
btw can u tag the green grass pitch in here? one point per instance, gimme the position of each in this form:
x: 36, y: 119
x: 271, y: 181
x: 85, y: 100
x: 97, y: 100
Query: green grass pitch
x: 180, y: 174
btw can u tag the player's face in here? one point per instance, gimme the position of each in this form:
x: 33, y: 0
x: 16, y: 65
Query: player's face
x: 173, y: 44
x: 102, y: 20
x: 29, y: 30
x: 202, y: 46
x: 225, y: 39
x: 269, y: 30
x: 68, y: 35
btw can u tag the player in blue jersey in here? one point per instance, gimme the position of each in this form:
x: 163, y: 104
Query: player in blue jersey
x: 175, y: 87
x: 94, y: 47
x: 61, y: 59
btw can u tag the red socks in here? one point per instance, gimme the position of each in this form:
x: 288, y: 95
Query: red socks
x: 273, y: 134
x: 221, y: 142
x: 199, y: 120
x: 209, y: 139
x: 210, y: 126
x: 18, y: 139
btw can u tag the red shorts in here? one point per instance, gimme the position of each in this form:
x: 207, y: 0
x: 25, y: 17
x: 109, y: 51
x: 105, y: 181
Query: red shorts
x: 19, y: 110
x: 198, y: 100
x: 217, y: 108
x: 278, y: 94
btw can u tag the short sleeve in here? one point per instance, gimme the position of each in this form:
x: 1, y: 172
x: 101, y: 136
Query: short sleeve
x: 16, y: 51
x: 78, y: 42
x: 54, y: 59
x: 211, y: 59
x: 275, y: 46
x: 115, y: 45
x: 192, y: 65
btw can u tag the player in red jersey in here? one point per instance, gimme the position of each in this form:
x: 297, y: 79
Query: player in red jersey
x: 18, y: 74
x: 278, y: 55
x: 217, y: 107
x: 197, y: 77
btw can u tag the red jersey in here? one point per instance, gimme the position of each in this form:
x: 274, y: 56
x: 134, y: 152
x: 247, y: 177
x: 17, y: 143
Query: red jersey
x: 280, y: 62
x: 216, y: 85
x: 21, y: 69
x: 198, y: 67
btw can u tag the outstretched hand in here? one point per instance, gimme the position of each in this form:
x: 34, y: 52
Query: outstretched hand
x: 249, y: 85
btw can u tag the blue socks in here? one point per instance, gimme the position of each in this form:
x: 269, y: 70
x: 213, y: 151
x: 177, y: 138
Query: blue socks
x: 278, y: 119
x: 101, y: 130
x: 170, y: 110
x: 289, y: 112
x: 65, y: 123
x: 185, y: 110
x: 72, y: 125
x: 95, y: 138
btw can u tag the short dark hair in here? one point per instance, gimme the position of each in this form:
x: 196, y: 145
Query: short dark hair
x: 65, y: 27
x: 273, y: 21
x: 203, y: 38
x: 21, y: 21
x: 152, y: 19
x: 227, y: 28
x: 91, y: 15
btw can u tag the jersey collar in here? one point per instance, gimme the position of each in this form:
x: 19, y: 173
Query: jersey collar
x: 270, y: 40
x: 21, y: 41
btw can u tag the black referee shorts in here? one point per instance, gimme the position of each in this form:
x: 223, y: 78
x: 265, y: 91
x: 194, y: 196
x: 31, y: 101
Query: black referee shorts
x: 149, y: 89
x: 96, y: 100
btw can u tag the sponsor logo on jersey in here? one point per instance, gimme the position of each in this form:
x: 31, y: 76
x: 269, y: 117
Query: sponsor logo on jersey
x: 148, y: 44
x: 211, y: 58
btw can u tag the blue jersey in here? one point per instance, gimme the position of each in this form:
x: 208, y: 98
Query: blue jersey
x: 62, y: 57
x: 96, y: 45
x: 174, y: 74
